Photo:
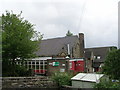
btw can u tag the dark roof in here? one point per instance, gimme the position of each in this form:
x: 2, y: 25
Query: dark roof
x: 102, y: 47
x: 88, y: 54
x: 99, y: 51
x: 55, y: 46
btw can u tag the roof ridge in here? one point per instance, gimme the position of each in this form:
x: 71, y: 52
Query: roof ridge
x: 59, y: 37
x: 99, y: 47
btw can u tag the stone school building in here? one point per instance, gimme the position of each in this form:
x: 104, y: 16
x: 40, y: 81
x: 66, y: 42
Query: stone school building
x: 67, y: 48
x: 62, y: 48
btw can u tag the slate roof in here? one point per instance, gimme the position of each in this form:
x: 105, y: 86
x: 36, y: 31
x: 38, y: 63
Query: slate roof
x: 99, y: 51
x: 87, y: 54
x: 55, y: 46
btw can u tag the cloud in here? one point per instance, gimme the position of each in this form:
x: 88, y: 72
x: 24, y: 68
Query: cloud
x: 97, y: 19
x: 100, y: 23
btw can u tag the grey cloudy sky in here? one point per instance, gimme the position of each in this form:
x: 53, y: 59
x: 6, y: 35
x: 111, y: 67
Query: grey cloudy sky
x: 97, y: 19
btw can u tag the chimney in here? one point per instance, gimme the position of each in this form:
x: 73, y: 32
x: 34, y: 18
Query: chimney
x: 81, y: 40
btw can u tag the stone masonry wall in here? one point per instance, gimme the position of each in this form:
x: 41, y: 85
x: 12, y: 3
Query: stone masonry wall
x: 27, y: 82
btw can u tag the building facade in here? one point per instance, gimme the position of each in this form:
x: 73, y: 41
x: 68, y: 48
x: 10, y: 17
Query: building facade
x: 95, y: 57
x: 37, y: 65
x: 65, y: 65
x: 60, y: 49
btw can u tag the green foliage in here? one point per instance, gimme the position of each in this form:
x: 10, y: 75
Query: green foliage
x: 62, y: 78
x: 19, y: 40
x: 14, y: 70
x: 17, y: 35
x: 108, y: 84
x: 69, y: 33
x: 112, y: 64
x: 0, y: 37
x: 112, y: 69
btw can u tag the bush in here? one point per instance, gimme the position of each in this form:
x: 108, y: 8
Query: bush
x: 112, y: 64
x: 108, y: 84
x: 62, y: 78
x: 22, y: 71
x: 14, y: 70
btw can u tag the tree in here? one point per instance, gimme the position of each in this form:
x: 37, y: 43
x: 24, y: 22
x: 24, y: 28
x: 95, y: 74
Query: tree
x: 19, y: 40
x: 69, y: 33
x: 112, y: 64
x: 17, y: 35
x: 0, y: 37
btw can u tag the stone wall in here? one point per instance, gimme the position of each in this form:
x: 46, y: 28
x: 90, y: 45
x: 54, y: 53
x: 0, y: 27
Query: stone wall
x: 76, y: 51
x: 28, y: 82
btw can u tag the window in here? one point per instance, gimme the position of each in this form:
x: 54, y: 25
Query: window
x: 29, y: 62
x: 45, y: 62
x: 37, y: 62
x: 94, y: 57
x: 37, y: 66
x: 63, y: 64
x: 41, y: 62
x: 84, y: 51
x: 98, y: 57
x: 63, y: 48
x: 33, y: 62
x: 33, y: 66
x: 45, y: 66
x: 29, y: 66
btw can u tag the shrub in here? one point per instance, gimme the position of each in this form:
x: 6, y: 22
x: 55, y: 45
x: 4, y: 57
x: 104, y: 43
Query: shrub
x: 112, y: 64
x: 62, y: 78
x: 14, y: 70
x: 108, y: 84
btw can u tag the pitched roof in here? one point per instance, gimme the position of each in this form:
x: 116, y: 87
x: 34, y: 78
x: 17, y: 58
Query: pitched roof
x: 90, y: 77
x: 87, y: 54
x: 55, y: 46
x: 99, y: 51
